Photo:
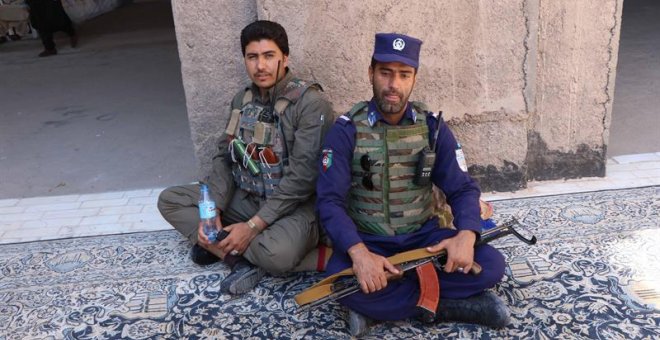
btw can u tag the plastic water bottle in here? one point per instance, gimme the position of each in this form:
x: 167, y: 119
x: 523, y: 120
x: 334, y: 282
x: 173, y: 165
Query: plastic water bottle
x: 207, y: 213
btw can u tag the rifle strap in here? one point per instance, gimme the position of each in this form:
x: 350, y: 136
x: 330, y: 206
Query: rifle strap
x: 429, y: 291
x: 324, y: 287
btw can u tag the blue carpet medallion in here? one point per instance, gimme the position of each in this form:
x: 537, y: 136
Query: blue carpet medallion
x: 594, y: 274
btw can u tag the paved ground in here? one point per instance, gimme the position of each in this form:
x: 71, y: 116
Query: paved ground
x: 54, y: 217
x: 636, y: 112
x: 109, y: 115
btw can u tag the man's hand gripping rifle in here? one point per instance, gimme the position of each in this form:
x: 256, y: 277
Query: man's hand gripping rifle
x: 328, y: 290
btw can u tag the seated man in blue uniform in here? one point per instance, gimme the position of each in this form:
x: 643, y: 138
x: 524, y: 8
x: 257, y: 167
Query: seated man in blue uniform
x: 375, y: 201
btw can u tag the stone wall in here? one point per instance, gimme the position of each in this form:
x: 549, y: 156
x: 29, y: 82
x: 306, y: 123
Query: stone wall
x: 526, y: 85
x: 207, y: 34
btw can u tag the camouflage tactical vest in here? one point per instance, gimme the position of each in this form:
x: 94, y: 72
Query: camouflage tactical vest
x: 395, y: 205
x: 254, y: 120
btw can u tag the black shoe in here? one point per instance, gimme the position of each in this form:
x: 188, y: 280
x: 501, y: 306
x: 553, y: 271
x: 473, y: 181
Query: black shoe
x: 47, y: 53
x: 358, y: 324
x: 484, y: 309
x: 202, y: 256
x: 243, y: 277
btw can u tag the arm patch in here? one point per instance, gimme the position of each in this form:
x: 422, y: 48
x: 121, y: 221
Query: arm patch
x: 343, y: 120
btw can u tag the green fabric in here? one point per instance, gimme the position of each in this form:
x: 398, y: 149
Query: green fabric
x: 372, y: 143
x: 373, y: 228
x: 404, y: 158
x: 404, y: 170
x: 413, y: 192
x: 374, y: 169
x: 402, y: 183
x: 403, y: 207
x: 365, y: 205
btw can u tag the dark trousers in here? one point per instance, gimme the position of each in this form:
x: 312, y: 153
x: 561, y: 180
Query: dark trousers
x: 397, y: 301
x: 47, y: 36
x: 277, y: 249
x: 48, y: 17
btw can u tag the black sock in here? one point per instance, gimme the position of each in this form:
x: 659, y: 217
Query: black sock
x: 232, y: 260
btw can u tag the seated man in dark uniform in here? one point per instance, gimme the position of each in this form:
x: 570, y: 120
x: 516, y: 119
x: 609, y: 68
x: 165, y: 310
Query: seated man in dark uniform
x: 374, y: 201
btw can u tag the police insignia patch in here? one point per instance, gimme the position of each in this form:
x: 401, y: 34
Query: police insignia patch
x: 371, y: 118
x: 398, y: 44
x: 327, y: 159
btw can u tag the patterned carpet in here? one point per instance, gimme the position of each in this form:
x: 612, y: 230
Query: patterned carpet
x: 595, y: 273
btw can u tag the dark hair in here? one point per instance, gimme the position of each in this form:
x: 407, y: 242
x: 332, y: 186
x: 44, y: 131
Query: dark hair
x: 374, y: 62
x: 268, y: 30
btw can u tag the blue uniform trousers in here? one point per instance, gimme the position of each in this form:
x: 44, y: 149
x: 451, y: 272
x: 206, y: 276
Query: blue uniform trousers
x: 397, y: 301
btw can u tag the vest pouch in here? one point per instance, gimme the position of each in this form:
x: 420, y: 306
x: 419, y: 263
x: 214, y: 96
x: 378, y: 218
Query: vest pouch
x: 234, y: 119
x: 263, y: 133
x: 246, y: 181
x: 271, y: 175
x: 269, y: 171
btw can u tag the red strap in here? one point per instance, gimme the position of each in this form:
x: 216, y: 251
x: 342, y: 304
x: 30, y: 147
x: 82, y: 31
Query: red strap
x: 320, y: 261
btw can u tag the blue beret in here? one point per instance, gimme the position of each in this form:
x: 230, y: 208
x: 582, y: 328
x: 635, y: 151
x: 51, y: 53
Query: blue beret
x: 394, y: 47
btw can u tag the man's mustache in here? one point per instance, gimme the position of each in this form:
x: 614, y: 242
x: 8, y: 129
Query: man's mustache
x: 389, y: 93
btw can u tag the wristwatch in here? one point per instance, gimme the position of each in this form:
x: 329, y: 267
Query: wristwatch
x: 252, y: 225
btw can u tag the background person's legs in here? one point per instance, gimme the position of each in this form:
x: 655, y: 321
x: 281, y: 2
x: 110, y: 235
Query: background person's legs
x: 70, y: 30
x: 4, y: 28
x: 47, y: 41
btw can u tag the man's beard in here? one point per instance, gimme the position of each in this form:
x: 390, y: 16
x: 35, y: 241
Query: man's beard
x: 386, y: 107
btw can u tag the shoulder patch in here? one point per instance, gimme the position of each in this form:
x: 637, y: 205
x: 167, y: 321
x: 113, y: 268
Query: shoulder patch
x: 327, y: 159
x: 343, y: 120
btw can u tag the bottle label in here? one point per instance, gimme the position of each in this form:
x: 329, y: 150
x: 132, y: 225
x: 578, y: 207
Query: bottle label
x: 460, y: 158
x: 206, y: 210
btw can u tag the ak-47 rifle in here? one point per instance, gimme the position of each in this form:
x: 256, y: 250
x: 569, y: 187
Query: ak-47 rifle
x: 328, y: 290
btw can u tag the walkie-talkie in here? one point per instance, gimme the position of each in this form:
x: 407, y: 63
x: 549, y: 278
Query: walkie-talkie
x: 424, y: 167
x: 426, y: 161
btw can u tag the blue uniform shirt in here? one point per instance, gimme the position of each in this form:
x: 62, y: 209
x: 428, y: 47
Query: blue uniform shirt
x: 334, y: 181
